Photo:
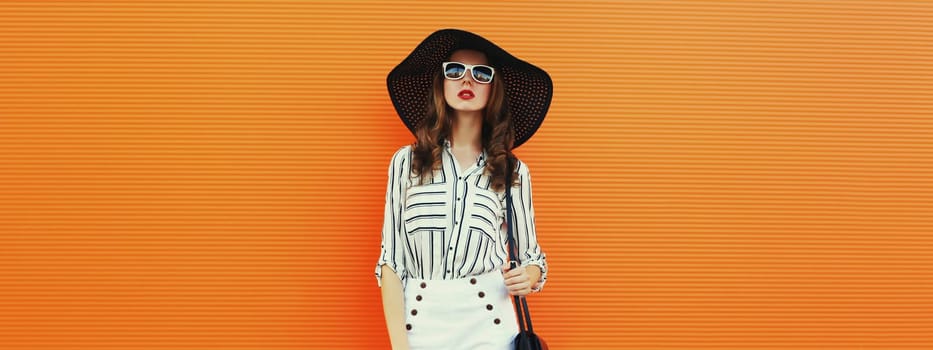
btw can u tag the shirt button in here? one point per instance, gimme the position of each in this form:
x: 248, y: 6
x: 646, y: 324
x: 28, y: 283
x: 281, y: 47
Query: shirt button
x: 451, y: 248
x: 496, y: 321
x: 418, y: 298
x: 423, y: 284
x: 408, y: 326
x: 481, y: 294
x: 472, y: 281
x: 488, y: 307
x: 448, y: 271
x: 458, y: 198
x: 415, y: 312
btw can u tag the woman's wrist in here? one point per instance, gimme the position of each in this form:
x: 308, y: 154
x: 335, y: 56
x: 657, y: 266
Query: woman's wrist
x: 534, y: 276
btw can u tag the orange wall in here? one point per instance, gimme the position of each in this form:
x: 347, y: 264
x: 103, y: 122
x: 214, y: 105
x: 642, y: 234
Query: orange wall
x: 712, y: 175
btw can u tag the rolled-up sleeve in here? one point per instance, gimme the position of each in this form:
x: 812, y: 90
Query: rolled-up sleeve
x: 530, y: 252
x: 392, y: 251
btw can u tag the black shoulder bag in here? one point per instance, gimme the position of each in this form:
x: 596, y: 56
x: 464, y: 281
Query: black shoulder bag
x: 526, y: 338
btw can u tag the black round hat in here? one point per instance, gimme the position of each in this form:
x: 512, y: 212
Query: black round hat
x: 527, y: 87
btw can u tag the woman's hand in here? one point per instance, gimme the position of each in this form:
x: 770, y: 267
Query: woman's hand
x: 519, y: 280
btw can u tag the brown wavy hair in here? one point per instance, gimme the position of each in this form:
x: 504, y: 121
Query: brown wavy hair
x: 498, y: 134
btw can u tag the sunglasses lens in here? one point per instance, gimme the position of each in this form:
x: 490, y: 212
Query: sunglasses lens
x: 454, y: 71
x: 482, y: 74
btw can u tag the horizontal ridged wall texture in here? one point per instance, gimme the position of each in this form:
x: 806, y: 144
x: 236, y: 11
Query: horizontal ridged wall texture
x: 711, y: 175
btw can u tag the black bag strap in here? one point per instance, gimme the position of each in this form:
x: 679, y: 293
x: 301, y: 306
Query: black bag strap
x: 521, y: 305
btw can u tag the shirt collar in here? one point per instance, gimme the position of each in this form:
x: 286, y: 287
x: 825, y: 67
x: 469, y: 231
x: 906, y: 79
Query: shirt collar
x: 481, y: 160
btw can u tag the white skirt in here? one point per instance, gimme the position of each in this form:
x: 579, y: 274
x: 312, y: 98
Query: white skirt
x: 468, y: 313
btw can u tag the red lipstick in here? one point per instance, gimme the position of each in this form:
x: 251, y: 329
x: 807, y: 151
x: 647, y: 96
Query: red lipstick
x: 465, y: 94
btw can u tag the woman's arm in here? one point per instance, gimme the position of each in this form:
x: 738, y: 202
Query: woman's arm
x: 529, y: 251
x: 390, y: 268
x: 393, y: 306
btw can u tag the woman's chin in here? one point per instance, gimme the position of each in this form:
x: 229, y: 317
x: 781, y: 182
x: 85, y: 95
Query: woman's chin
x: 467, y: 107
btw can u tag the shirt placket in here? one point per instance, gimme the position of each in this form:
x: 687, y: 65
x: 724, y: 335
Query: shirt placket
x: 460, y: 189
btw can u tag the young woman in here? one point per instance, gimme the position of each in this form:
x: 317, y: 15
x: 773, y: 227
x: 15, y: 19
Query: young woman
x: 443, y: 267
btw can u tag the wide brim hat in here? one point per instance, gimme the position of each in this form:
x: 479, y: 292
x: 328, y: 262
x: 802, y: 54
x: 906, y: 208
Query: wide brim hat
x: 527, y: 87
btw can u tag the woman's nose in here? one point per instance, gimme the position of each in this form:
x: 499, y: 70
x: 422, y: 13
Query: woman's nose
x: 468, y: 76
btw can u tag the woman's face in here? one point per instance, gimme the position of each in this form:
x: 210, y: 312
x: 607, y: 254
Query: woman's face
x: 466, y: 94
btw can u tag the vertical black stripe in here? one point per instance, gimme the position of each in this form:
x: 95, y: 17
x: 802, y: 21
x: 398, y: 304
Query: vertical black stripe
x: 466, y: 250
x: 430, y: 257
x: 461, y: 224
x: 400, y: 226
x: 448, y: 260
x: 526, y: 219
x: 478, y: 255
x: 390, y: 196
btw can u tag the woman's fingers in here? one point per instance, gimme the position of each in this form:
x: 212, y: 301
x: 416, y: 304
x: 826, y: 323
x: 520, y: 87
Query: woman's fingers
x: 511, y: 272
x: 517, y: 280
x: 520, y: 286
x: 520, y: 289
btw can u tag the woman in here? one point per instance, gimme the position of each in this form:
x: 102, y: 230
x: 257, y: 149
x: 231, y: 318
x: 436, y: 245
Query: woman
x: 443, y: 267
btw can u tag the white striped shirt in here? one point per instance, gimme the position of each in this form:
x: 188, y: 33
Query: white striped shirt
x: 455, y: 226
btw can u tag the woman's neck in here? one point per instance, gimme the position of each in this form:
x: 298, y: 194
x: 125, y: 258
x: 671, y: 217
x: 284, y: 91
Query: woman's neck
x: 466, y: 131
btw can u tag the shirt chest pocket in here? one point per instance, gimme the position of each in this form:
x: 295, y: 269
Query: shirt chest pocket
x: 425, y: 208
x: 486, y: 214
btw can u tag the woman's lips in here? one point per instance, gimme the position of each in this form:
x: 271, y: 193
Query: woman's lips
x: 465, y: 94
